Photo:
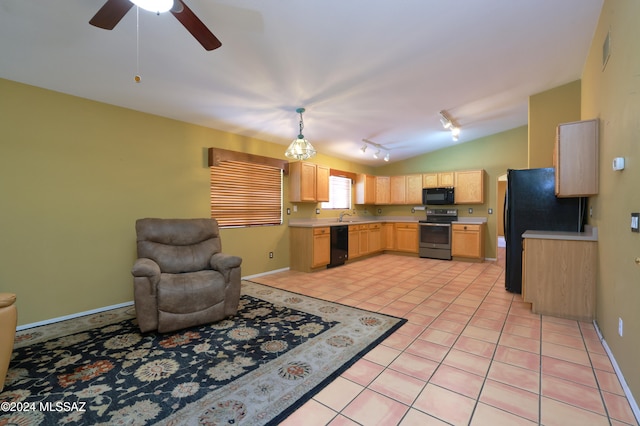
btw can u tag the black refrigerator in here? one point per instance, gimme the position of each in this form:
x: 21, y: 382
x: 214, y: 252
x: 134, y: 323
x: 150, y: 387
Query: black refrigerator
x: 531, y: 205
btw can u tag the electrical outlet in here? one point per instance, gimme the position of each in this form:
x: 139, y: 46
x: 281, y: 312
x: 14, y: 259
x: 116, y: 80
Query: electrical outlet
x: 470, y: 210
x: 620, y: 326
x: 270, y: 255
x: 317, y: 211
x: 288, y: 210
x: 490, y: 211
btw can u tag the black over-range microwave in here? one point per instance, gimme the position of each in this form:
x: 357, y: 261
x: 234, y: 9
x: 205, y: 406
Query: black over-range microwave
x: 437, y: 196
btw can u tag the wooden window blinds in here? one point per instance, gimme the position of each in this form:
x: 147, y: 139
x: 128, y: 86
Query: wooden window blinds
x: 246, y: 194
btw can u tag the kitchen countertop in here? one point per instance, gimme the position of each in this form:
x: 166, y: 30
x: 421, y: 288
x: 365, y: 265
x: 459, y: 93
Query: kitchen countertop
x: 470, y: 220
x: 590, y: 234
x: 314, y: 223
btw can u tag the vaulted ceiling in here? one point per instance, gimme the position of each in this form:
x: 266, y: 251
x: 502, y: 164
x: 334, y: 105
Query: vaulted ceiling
x: 364, y: 69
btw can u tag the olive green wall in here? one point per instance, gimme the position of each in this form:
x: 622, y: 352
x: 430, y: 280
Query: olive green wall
x: 613, y: 96
x: 76, y: 174
x: 547, y: 110
x: 495, y: 154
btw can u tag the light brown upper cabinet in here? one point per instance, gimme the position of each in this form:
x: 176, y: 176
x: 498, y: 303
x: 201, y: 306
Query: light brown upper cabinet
x: 413, y: 194
x: 365, y: 189
x: 575, y: 159
x: 406, y: 189
x: 398, y: 189
x: 469, y: 187
x: 308, y: 182
x: 383, y: 190
x: 437, y: 180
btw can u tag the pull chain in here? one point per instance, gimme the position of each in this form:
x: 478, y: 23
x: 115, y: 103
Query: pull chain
x: 137, y: 78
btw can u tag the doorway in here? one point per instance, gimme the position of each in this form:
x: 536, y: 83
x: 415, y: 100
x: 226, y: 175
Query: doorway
x: 501, y: 193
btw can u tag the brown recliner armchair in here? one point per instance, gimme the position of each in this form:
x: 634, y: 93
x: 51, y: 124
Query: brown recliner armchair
x: 8, y: 323
x: 181, y: 278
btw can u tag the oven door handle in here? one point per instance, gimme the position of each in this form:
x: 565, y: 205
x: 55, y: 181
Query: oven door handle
x: 435, y: 224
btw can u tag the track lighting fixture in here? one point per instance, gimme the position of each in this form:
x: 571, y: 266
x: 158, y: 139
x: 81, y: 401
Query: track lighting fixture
x: 449, y: 124
x: 300, y: 149
x: 379, y: 149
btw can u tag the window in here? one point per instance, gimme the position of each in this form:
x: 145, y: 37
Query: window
x: 244, y: 193
x: 339, y: 193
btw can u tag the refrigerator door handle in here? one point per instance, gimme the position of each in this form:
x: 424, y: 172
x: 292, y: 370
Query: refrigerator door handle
x: 505, y: 216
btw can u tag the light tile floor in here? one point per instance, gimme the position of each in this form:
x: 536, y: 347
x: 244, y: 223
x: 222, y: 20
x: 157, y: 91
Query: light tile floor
x: 471, y: 353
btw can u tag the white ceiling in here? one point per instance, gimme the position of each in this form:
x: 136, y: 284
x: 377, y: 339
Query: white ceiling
x: 374, y: 69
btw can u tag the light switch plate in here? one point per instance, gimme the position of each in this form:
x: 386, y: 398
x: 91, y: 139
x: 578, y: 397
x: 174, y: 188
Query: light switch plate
x: 634, y: 222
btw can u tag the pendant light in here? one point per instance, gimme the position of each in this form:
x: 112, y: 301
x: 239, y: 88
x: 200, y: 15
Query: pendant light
x: 300, y: 149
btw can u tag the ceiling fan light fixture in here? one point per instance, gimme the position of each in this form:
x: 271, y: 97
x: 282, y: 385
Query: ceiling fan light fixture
x: 363, y: 149
x: 300, y: 148
x: 376, y: 154
x: 157, y: 6
x: 387, y: 157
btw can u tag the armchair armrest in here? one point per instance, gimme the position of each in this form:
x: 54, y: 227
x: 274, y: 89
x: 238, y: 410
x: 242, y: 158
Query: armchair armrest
x: 144, y: 267
x: 224, y: 263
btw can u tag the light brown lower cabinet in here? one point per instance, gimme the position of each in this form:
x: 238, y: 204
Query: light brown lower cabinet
x: 321, y: 247
x: 354, y: 241
x: 388, y: 236
x: 558, y: 277
x: 375, y: 237
x: 310, y: 248
x: 467, y: 241
x: 406, y: 237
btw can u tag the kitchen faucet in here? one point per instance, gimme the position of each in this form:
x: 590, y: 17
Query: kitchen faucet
x: 342, y: 214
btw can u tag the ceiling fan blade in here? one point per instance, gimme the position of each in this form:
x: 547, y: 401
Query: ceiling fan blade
x: 195, y: 26
x: 111, y: 13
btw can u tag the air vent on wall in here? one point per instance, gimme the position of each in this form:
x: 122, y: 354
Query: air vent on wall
x: 606, y: 50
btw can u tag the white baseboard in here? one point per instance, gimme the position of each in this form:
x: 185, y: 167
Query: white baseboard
x: 108, y: 308
x: 265, y: 273
x: 77, y: 315
x: 623, y: 383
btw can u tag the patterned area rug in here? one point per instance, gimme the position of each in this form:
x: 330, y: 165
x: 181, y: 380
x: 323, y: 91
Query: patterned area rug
x: 253, y: 369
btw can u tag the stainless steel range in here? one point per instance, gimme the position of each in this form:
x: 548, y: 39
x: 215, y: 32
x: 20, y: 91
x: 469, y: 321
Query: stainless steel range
x: 435, y: 233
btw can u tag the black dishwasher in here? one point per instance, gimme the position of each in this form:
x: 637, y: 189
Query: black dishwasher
x: 339, y: 245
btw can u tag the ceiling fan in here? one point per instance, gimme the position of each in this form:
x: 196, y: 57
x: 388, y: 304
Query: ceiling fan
x: 114, y: 10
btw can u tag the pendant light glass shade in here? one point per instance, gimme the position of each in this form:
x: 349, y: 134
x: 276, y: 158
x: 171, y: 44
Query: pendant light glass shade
x: 300, y: 149
x: 157, y: 6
